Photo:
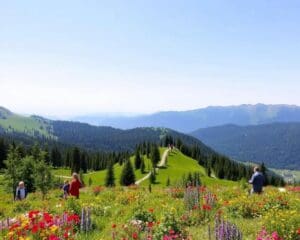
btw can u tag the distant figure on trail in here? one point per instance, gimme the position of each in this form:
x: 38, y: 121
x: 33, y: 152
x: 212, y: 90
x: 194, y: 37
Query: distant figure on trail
x: 75, y: 185
x: 257, y: 180
x: 21, y: 192
x: 66, y: 189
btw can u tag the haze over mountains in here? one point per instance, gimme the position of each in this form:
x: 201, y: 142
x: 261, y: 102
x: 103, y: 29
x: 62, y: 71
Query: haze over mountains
x: 28, y: 129
x: 276, y: 144
x: 188, y: 121
x: 255, y: 133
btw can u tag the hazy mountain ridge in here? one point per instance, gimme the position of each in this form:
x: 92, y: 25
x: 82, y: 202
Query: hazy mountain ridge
x: 276, y: 144
x: 188, y: 121
x: 85, y: 135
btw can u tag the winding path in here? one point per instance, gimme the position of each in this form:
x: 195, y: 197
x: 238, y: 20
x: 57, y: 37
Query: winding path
x: 162, y: 163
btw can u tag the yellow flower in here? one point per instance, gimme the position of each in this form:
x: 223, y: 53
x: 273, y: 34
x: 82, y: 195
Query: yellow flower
x: 53, y: 228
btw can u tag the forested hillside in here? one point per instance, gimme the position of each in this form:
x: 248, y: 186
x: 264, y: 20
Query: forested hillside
x: 111, y: 139
x: 277, y: 144
x: 34, y: 128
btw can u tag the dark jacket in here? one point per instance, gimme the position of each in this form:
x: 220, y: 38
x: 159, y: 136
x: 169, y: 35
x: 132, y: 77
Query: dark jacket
x: 257, y: 180
x: 18, y: 194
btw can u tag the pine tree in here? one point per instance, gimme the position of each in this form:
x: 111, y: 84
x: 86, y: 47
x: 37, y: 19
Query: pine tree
x: 55, y: 157
x: 152, y: 177
x: 190, y: 178
x: 127, y: 175
x: 12, y: 171
x: 148, y: 149
x: 27, y: 171
x: 3, y: 152
x: 155, y: 155
x: 84, y: 162
x: 168, y: 183
x: 81, y: 177
x: 110, y: 176
x: 90, y: 181
x: 43, y: 177
x: 208, y: 171
x: 137, y: 159
x: 75, y: 162
x: 142, y: 165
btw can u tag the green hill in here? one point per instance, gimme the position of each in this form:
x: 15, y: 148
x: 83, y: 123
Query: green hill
x: 32, y: 126
x: 92, y: 138
x: 177, y: 166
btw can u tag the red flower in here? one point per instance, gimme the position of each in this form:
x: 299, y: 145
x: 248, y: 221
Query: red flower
x: 114, y: 226
x: 73, y: 218
x: 150, y: 224
x: 35, y: 228
x: 42, y: 225
x: 66, y: 235
x: 47, y: 217
x: 298, y: 231
x: 53, y: 237
x: 135, y: 235
x: 206, y: 207
x: 16, y: 225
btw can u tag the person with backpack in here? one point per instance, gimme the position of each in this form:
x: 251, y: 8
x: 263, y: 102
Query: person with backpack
x: 21, y: 192
x: 66, y: 189
x: 257, y: 180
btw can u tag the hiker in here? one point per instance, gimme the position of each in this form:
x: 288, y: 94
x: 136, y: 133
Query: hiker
x: 257, y: 180
x: 75, y: 185
x: 66, y: 188
x: 21, y: 192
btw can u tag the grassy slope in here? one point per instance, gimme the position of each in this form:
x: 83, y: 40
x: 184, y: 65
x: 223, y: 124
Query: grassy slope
x: 24, y: 124
x: 177, y: 165
x: 98, y: 177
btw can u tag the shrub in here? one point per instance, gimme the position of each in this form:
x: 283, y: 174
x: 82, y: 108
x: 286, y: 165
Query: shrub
x: 73, y: 206
x: 170, y: 228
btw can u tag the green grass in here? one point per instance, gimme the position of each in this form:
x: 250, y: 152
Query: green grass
x: 28, y: 125
x: 119, y: 205
x: 177, y: 165
x: 98, y: 177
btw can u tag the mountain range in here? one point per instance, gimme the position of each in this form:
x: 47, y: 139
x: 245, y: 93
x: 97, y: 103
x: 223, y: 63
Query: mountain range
x: 188, y: 121
x: 95, y: 138
x: 276, y: 144
x: 252, y: 135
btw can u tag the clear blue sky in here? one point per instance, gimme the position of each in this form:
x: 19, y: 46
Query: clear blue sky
x: 75, y: 57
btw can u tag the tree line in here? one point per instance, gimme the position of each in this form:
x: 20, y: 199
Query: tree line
x: 57, y: 155
x: 222, y: 166
x: 81, y: 160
